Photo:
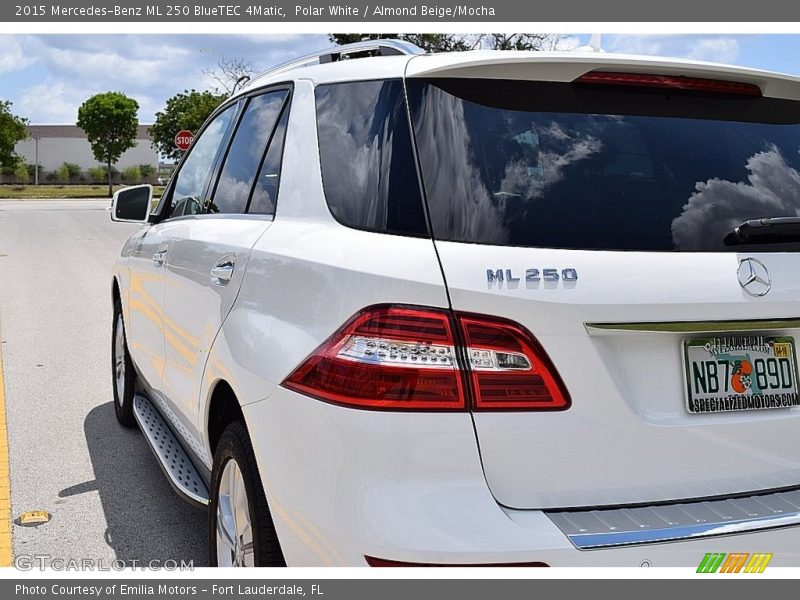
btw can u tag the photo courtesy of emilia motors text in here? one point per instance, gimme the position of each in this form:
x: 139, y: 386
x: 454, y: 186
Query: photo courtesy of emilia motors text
x: 441, y: 313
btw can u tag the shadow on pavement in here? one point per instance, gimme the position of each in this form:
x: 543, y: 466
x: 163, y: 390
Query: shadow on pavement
x: 145, y: 518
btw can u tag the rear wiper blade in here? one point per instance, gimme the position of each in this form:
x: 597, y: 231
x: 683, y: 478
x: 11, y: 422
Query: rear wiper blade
x: 768, y: 229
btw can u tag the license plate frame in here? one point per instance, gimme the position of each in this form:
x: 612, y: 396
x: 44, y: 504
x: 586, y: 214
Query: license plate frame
x: 761, y: 386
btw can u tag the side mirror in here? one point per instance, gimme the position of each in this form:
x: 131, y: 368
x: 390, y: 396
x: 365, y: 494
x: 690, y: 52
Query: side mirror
x: 132, y: 204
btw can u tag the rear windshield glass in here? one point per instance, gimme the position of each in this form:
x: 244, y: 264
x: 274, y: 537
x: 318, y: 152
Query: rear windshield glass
x: 589, y: 167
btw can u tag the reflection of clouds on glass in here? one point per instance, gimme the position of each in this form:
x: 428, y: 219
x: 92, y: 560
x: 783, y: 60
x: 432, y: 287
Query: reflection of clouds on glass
x: 266, y: 190
x: 194, y: 173
x: 246, y: 151
x: 365, y: 151
x: 521, y: 178
x: 474, y: 214
x: 232, y: 193
x: 578, y: 147
x: 718, y: 205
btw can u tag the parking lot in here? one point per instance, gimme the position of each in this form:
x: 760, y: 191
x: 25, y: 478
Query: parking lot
x: 68, y: 456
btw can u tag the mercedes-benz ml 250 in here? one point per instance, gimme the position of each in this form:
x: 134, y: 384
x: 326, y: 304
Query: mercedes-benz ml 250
x: 479, y: 308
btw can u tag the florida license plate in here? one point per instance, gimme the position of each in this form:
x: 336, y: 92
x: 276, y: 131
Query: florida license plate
x: 737, y: 373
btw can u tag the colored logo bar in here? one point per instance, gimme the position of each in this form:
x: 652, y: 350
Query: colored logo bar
x: 735, y: 562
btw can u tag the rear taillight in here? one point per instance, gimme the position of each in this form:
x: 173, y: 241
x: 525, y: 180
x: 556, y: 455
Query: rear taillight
x: 509, y: 369
x: 408, y: 358
x: 389, y: 357
x: 674, y: 82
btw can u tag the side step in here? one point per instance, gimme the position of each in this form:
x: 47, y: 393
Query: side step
x: 172, y: 458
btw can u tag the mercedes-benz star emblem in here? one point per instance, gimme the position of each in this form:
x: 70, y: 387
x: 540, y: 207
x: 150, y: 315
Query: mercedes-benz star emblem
x: 754, y: 277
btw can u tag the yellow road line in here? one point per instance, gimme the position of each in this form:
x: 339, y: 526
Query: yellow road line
x: 6, y: 549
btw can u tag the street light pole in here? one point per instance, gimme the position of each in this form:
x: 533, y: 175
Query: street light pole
x: 36, y: 137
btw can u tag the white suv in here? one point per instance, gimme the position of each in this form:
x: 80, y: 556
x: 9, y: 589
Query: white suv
x: 476, y: 308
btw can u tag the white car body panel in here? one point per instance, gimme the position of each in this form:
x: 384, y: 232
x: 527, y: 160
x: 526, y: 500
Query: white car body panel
x: 431, y: 506
x: 628, y: 437
x: 145, y: 294
x: 460, y: 487
x: 195, y: 306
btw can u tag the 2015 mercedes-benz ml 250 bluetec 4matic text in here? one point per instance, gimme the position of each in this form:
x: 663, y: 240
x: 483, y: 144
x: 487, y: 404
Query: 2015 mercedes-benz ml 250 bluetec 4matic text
x: 480, y: 308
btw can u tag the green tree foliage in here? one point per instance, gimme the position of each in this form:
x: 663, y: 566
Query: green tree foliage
x: 132, y: 174
x: 454, y: 42
x: 62, y: 173
x: 21, y: 173
x: 147, y: 171
x: 188, y: 110
x: 430, y: 42
x: 12, y: 130
x: 73, y: 170
x: 97, y: 174
x: 110, y: 123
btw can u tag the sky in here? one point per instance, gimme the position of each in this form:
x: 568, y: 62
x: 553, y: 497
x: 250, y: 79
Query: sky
x: 47, y: 77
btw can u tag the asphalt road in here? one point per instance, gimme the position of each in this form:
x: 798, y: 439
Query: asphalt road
x: 107, y: 495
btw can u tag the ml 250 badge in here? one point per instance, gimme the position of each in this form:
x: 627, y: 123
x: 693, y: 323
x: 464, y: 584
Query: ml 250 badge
x: 531, y: 275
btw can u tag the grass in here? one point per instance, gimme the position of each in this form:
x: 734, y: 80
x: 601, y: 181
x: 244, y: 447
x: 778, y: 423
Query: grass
x: 61, y: 192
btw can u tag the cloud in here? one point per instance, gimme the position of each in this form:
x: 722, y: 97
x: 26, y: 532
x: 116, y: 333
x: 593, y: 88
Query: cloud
x: 713, y: 48
x: 56, y: 73
x: 12, y: 55
x: 51, y: 102
x: 718, y: 205
x: 725, y: 50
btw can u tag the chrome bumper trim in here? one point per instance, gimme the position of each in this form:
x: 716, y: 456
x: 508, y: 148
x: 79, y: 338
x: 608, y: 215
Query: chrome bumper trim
x: 602, y: 528
x: 600, y: 329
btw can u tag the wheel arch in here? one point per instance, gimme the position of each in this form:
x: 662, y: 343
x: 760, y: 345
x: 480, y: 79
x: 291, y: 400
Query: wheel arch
x: 115, y: 293
x: 223, y: 409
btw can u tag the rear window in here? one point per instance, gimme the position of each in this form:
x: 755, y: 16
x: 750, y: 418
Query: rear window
x: 585, y: 167
x: 367, y: 158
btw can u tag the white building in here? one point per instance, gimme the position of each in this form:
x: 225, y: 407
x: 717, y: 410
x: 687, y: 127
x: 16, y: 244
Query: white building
x: 67, y: 143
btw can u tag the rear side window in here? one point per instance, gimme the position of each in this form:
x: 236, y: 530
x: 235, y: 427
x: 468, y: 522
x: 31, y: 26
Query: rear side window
x: 564, y: 165
x: 247, y: 152
x: 368, y: 168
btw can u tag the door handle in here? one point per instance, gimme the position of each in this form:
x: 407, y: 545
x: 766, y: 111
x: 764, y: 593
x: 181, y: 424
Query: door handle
x: 160, y: 256
x: 222, y: 272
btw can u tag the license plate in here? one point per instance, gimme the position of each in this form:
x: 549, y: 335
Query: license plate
x: 735, y: 373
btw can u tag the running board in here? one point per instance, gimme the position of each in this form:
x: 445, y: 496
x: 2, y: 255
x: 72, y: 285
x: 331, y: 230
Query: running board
x: 172, y: 458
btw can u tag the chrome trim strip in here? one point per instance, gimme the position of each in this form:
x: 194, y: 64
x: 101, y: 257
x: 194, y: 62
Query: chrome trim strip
x: 625, y: 538
x: 603, y: 528
x: 598, y: 329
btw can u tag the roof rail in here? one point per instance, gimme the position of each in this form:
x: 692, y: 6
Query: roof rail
x: 337, y: 53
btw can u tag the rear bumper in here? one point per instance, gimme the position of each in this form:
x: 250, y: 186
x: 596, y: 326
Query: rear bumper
x: 344, y: 483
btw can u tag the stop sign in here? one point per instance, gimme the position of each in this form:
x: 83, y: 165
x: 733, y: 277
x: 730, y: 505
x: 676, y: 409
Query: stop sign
x: 184, y: 139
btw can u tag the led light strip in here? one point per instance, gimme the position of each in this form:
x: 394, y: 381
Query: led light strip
x: 386, y: 352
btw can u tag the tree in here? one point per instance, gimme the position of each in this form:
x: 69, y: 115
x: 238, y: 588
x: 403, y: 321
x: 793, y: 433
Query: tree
x: 230, y: 74
x: 454, y: 42
x: 188, y: 110
x: 520, y: 41
x: 430, y: 42
x: 12, y: 130
x: 110, y: 123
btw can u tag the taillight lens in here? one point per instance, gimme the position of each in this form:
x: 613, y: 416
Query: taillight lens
x: 509, y: 369
x: 386, y: 357
x: 407, y: 358
x: 674, y: 82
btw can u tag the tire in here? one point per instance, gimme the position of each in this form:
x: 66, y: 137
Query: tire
x: 123, y: 376
x: 234, y: 465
